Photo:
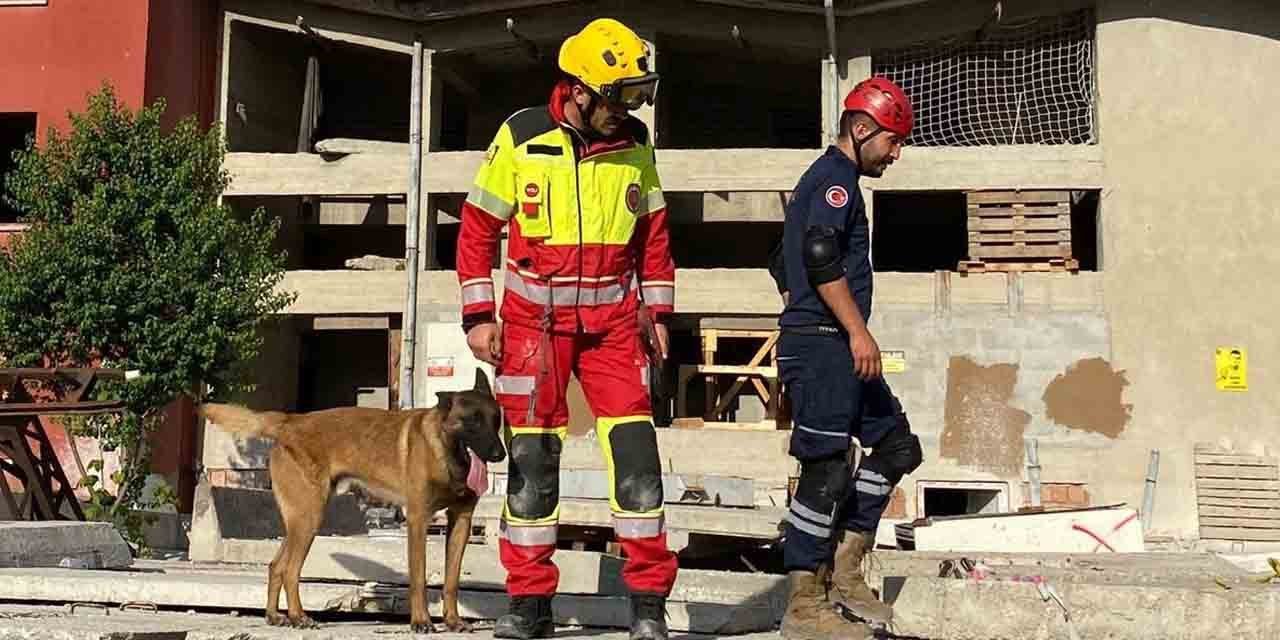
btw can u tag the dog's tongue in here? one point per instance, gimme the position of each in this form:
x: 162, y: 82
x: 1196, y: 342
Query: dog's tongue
x: 477, y: 475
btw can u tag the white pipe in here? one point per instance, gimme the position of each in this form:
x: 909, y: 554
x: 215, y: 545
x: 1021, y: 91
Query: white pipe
x: 409, y: 323
x: 829, y: 7
x: 831, y: 108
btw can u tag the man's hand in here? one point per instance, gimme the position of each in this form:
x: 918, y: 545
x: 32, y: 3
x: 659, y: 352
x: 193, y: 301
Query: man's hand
x: 655, y: 334
x: 866, y: 355
x: 485, y: 341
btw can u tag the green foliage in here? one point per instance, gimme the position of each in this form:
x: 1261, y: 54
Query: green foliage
x: 132, y: 263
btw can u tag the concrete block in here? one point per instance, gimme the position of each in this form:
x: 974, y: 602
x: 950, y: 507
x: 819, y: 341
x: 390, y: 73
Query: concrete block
x: 220, y: 513
x: 95, y: 545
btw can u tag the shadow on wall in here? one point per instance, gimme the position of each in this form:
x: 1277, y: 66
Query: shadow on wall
x: 1256, y: 17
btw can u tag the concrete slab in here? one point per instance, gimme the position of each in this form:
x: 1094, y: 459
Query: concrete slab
x: 95, y: 545
x: 385, y: 560
x: 1113, y: 529
x: 54, y: 623
x: 247, y: 592
x: 951, y: 609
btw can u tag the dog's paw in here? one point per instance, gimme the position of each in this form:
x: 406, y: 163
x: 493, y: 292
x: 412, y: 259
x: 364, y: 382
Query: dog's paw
x: 458, y: 625
x: 422, y: 627
x: 276, y: 620
x: 303, y: 622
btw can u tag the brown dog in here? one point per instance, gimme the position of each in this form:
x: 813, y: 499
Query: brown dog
x: 423, y: 459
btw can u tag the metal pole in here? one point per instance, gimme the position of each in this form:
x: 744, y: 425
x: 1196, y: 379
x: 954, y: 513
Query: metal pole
x: 1033, y: 471
x: 409, y: 324
x: 1149, y: 492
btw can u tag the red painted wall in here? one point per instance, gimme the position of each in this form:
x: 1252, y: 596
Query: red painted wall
x: 52, y: 57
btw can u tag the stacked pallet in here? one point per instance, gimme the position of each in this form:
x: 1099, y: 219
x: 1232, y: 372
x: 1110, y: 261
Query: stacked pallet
x: 1019, y: 231
x: 1237, y: 496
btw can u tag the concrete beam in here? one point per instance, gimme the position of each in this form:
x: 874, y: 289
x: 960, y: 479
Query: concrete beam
x: 245, y: 591
x: 1022, y: 167
x: 759, y: 523
x: 349, y: 37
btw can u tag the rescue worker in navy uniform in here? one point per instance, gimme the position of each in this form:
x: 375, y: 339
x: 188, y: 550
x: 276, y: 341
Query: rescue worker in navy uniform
x: 830, y: 364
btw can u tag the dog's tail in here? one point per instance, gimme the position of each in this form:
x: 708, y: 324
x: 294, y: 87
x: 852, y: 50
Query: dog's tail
x: 237, y: 419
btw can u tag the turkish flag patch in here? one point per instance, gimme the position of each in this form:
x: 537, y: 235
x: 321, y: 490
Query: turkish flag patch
x: 531, y: 190
x: 837, y: 196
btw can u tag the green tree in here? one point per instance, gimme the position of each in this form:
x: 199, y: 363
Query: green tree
x: 132, y: 263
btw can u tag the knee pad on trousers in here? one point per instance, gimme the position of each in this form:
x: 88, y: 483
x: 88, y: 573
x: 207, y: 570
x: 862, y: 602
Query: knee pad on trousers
x: 899, y: 452
x: 533, y: 475
x: 824, y: 485
x: 637, y: 469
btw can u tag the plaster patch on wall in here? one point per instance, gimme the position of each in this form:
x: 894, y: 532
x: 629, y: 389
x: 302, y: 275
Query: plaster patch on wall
x: 1088, y: 397
x: 982, y: 430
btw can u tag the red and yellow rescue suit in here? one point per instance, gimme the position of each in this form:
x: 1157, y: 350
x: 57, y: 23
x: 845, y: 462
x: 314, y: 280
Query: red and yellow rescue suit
x: 587, y: 247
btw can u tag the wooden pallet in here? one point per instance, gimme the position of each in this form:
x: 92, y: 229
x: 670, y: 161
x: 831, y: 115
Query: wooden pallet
x: 1053, y: 264
x: 1237, y: 495
x: 1020, y: 230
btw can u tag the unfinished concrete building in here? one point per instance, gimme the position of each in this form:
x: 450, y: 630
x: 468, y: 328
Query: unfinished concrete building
x: 1139, y: 131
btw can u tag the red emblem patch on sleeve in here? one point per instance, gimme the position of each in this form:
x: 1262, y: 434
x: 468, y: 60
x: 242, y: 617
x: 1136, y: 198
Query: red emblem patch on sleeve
x: 837, y: 196
x: 633, y: 198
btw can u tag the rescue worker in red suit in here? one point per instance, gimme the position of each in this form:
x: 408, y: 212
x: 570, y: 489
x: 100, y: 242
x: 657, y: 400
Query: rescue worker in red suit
x: 589, y: 284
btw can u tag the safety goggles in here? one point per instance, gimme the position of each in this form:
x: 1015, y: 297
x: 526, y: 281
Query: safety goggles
x: 632, y: 93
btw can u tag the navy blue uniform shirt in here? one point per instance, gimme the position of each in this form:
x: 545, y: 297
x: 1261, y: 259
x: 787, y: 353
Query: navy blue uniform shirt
x: 826, y: 195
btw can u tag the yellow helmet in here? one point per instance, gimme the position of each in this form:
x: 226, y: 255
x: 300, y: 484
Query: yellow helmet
x: 612, y: 60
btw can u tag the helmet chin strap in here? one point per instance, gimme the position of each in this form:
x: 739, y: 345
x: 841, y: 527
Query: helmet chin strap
x: 857, y: 145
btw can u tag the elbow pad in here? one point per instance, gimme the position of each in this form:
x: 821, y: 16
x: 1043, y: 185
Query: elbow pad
x: 823, y: 258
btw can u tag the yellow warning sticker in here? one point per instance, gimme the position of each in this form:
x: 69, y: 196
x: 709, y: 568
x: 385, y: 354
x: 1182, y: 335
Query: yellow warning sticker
x: 894, y: 361
x: 1232, y: 366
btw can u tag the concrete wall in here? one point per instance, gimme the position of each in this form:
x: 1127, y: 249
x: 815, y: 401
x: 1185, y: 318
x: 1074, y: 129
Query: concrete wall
x: 1189, y: 128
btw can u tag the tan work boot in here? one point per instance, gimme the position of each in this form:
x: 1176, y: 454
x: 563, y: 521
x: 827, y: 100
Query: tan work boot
x: 848, y: 584
x: 810, y: 616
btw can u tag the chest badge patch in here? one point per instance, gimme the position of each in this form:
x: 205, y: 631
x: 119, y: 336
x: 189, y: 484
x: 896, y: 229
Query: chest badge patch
x: 633, y: 198
x: 837, y: 196
x: 531, y: 191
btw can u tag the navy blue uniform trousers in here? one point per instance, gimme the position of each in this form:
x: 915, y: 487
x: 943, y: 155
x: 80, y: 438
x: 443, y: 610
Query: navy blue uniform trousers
x: 830, y: 405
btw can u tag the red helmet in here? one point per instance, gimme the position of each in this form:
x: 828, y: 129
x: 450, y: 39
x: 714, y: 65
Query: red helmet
x: 884, y: 101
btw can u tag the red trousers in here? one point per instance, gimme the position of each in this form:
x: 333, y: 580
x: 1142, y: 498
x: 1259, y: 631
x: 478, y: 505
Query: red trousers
x: 612, y: 370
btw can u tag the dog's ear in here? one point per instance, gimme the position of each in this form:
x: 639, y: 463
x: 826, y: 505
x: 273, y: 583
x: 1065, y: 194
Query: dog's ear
x: 444, y: 400
x: 482, y: 382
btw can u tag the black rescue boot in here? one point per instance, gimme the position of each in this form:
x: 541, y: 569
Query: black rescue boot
x: 529, y: 617
x: 648, y: 617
